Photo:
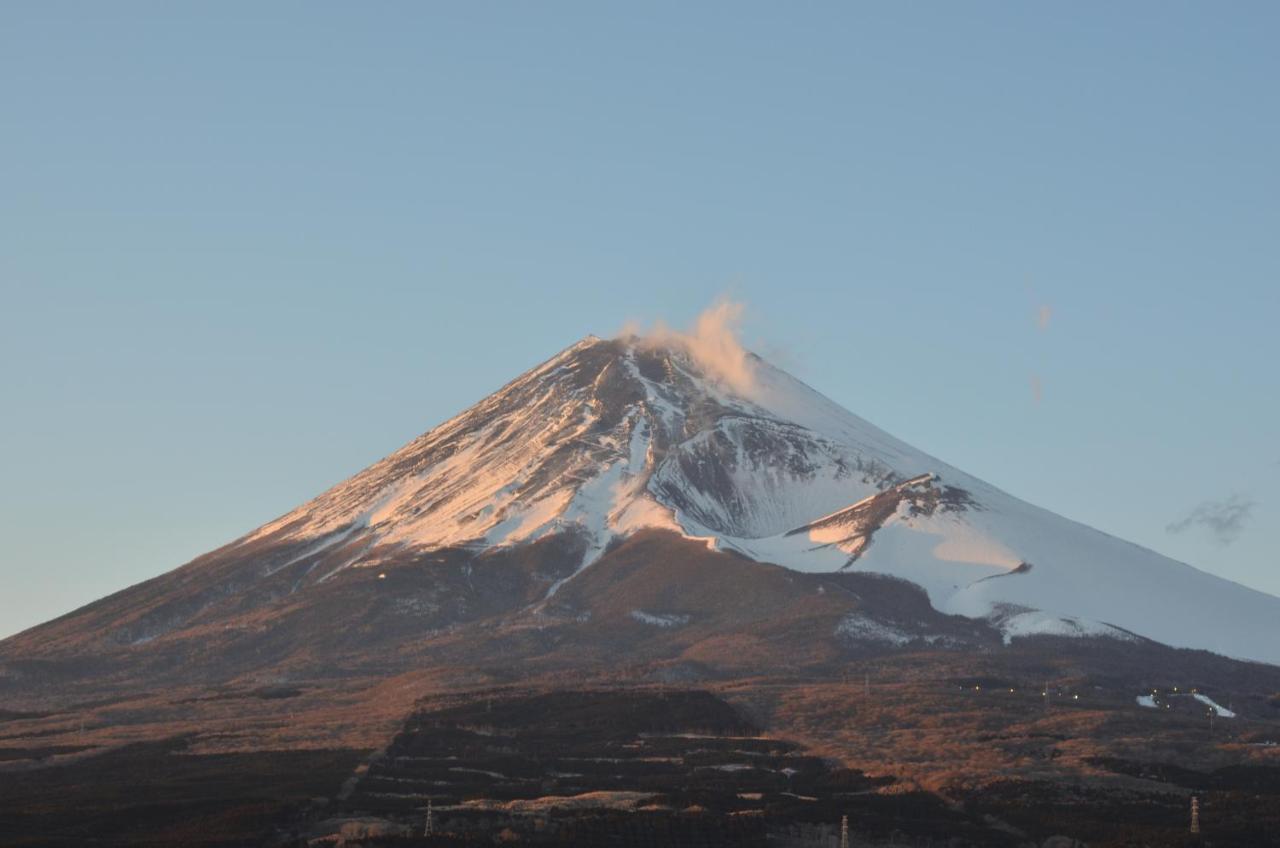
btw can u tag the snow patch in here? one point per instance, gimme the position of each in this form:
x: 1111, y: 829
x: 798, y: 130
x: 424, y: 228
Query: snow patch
x: 1221, y: 711
x: 862, y: 629
x: 1038, y: 623
x: 664, y: 620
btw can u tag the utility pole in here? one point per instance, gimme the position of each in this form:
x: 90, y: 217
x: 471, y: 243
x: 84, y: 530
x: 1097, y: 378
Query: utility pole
x: 866, y: 684
x: 844, y: 832
x: 1195, y: 814
x: 430, y: 827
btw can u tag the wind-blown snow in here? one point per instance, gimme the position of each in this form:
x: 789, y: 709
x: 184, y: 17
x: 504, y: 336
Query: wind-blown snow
x: 712, y: 342
x: 613, y: 436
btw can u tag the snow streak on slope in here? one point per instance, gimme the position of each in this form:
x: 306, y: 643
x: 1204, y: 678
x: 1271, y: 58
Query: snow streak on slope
x: 612, y: 436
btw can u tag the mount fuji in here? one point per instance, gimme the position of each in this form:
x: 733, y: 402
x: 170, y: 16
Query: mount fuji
x: 611, y: 439
x: 651, y: 570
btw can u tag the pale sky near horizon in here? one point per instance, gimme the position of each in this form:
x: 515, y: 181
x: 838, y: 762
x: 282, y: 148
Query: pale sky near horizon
x: 246, y: 249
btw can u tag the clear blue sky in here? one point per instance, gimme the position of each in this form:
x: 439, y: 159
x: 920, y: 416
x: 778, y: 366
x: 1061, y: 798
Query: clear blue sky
x: 248, y: 248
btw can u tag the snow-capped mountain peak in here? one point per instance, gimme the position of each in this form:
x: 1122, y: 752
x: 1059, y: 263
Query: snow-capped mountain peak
x: 612, y: 436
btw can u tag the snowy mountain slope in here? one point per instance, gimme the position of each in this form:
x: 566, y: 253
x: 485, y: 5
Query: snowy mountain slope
x: 611, y: 436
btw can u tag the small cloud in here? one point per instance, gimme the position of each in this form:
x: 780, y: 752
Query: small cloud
x: 712, y: 342
x: 1043, y: 316
x: 1225, y: 519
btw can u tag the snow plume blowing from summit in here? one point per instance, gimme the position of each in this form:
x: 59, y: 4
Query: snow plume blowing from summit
x: 712, y: 342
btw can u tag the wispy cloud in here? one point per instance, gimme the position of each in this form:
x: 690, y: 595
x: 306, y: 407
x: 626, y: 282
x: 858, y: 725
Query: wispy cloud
x: 1043, y: 316
x: 1225, y: 519
x: 712, y: 342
